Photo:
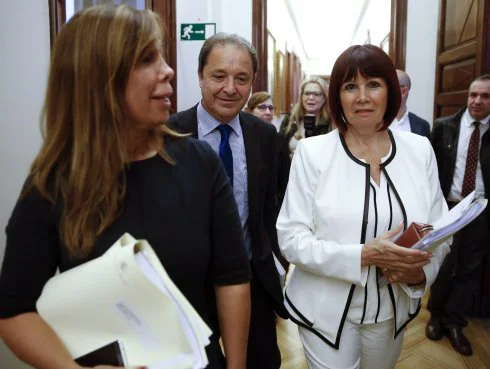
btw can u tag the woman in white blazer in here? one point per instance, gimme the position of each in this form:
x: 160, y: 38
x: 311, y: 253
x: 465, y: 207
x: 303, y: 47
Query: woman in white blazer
x: 349, y: 193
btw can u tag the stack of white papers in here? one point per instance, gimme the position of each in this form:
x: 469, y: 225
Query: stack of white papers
x: 445, y: 227
x: 457, y: 218
x: 126, y: 296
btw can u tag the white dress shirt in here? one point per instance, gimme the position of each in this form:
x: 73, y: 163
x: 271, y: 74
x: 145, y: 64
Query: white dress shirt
x: 206, y: 130
x: 466, y: 128
x: 403, y: 124
x: 376, y: 306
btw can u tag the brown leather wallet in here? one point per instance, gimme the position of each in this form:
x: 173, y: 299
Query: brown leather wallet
x: 413, y: 234
x: 410, y: 237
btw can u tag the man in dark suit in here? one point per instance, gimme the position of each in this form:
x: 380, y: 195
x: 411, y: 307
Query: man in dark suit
x: 462, y: 146
x: 246, y: 145
x: 405, y: 120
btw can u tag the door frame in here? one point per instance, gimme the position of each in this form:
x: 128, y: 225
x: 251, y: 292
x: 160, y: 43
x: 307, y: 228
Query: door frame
x: 165, y: 8
x: 260, y: 42
x: 398, y: 33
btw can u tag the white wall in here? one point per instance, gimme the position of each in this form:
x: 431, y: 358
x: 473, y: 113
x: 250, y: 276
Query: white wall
x: 376, y: 21
x: 352, y: 26
x: 24, y: 47
x: 229, y: 16
x: 420, y: 62
x: 281, y: 27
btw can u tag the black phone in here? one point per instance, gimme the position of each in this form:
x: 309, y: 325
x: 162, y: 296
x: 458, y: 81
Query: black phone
x: 309, y: 123
x: 110, y: 354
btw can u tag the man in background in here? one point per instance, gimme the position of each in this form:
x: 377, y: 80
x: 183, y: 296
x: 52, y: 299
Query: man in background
x: 405, y: 120
x: 247, y: 147
x: 462, y: 147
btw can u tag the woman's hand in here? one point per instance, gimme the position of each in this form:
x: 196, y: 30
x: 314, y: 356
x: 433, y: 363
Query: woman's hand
x: 389, y: 257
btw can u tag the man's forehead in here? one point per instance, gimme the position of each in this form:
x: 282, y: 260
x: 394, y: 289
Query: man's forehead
x: 229, y: 52
x: 480, y: 86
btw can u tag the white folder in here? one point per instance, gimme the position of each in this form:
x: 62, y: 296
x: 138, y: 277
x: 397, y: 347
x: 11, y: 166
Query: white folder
x: 126, y: 295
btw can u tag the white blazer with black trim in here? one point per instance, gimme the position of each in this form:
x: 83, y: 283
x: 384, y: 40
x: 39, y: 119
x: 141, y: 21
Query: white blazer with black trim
x: 323, y: 220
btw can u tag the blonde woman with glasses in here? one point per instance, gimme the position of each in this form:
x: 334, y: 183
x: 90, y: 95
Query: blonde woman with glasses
x: 312, y: 103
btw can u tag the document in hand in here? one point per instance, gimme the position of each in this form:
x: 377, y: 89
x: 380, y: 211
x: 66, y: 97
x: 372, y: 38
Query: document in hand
x: 457, y: 218
x: 126, y: 296
x: 445, y: 227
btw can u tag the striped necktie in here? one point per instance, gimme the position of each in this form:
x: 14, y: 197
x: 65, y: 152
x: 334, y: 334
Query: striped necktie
x: 471, y: 161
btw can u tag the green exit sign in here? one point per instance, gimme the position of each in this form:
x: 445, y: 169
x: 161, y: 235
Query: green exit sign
x: 197, y: 31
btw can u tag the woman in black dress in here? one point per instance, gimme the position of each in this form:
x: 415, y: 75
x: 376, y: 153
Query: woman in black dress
x: 109, y: 165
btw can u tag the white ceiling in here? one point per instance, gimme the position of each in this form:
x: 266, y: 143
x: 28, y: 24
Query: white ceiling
x: 325, y: 28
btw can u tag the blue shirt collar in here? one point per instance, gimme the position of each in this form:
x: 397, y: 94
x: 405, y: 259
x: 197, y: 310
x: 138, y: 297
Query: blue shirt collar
x: 209, y: 123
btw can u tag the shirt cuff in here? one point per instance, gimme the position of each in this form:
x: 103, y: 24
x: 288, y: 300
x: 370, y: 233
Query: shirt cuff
x: 364, y: 275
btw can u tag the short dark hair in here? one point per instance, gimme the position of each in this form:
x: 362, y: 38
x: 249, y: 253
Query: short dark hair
x: 223, y: 39
x: 369, y: 61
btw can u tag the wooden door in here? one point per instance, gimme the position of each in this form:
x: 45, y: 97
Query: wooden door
x: 167, y: 10
x: 57, y: 17
x: 462, y: 51
x: 259, y: 41
x: 397, y: 38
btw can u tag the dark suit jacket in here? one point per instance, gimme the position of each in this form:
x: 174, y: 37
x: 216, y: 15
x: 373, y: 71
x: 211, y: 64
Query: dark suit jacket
x: 444, y: 138
x: 261, y: 154
x: 418, y: 125
x: 284, y: 165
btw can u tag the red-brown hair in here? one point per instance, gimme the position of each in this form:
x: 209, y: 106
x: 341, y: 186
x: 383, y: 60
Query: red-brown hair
x: 369, y: 61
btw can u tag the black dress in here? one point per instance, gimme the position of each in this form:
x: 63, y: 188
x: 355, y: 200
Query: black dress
x: 186, y: 211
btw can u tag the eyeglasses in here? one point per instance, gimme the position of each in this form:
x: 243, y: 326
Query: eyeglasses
x: 263, y: 107
x: 314, y: 94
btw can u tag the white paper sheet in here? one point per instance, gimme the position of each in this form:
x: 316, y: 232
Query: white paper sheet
x: 126, y: 295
